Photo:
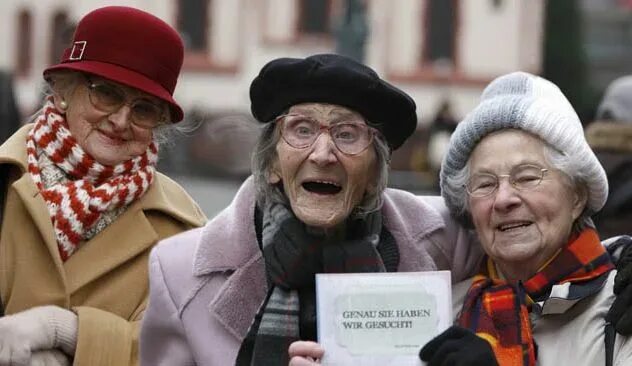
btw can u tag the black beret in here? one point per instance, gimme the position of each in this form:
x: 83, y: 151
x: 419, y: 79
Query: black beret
x: 334, y: 79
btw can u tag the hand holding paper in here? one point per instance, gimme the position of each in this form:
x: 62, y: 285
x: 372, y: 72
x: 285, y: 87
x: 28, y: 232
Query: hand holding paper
x: 305, y: 353
x: 380, y: 319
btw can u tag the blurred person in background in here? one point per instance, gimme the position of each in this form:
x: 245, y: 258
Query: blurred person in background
x: 83, y: 203
x: 9, y: 114
x: 441, y: 128
x: 532, y: 182
x: 611, y: 138
x: 242, y: 289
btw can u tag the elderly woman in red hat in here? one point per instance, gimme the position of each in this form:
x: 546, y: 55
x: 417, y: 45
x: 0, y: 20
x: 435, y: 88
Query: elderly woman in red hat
x: 83, y: 203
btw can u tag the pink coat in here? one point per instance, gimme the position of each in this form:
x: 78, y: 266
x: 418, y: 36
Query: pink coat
x: 206, y: 284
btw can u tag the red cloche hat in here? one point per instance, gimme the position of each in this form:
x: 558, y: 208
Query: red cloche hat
x: 128, y: 46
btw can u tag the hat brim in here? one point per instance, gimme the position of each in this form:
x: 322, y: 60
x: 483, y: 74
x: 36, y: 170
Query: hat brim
x: 124, y: 76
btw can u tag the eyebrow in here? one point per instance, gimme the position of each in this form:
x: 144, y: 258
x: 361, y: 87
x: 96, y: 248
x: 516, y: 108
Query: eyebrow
x: 135, y: 93
x: 523, y: 162
x: 333, y: 117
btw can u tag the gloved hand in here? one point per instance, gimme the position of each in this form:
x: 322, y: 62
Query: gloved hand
x: 620, y: 313
x: 53, y: 357
x: 458, y: 346
x: 37, y: 329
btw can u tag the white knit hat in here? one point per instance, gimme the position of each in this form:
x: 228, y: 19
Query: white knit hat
x: 530, y: 103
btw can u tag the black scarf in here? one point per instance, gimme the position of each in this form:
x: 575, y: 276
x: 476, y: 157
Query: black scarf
x: 293, y: 255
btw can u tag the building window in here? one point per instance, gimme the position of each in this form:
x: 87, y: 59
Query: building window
x: 314, y: 17
x: 440, y: 32
x: 61, y: 36
x: 193, y: 24
x: 24, y: 43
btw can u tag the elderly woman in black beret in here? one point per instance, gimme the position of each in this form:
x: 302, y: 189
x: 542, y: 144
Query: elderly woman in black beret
x: 241, y: 289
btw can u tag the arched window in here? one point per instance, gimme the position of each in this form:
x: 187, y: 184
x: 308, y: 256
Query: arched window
x: 24, y: 41
x: 314, y: 17
x: 440, y: 31
x: 61, y: 36
x: 194, y: 24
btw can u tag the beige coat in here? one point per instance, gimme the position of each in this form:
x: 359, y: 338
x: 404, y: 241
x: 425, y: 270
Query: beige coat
x: 105, y: 282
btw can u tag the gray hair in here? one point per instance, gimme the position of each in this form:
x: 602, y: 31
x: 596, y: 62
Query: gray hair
x: 64, y: 83
x: 264, y: 156
x: 568, y: 165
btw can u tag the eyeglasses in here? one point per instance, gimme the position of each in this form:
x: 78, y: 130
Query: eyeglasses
x: 109, y: 98
x: 522, y: 177
x: 351, y: 137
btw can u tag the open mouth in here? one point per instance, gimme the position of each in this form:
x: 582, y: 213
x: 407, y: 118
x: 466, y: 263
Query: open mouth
x: 322, y: 187
x: 513, y: 226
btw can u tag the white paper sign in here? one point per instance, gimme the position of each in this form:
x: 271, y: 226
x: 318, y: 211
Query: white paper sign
x: 381, y: 318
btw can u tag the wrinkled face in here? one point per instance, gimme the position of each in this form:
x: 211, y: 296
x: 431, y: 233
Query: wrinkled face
x: 521, y: 228
x: 110, y: 138
x: 322, y: 184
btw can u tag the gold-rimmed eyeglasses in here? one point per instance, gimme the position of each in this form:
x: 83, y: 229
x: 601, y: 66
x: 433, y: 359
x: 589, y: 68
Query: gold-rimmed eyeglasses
x: 522, y: 177
x: 350, y: 136
x: 108, y: 98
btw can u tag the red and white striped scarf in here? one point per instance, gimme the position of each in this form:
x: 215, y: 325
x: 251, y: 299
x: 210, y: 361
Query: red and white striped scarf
x: 93, y: 188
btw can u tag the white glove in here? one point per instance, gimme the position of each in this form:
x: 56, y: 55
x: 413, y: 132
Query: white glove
x: 53, y: 357
x: 39, y: 328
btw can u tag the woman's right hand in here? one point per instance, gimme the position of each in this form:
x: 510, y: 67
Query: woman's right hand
x: 305, y: 353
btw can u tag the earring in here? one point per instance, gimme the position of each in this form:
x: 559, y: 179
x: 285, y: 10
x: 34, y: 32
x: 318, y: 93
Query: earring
x: 63, y: 105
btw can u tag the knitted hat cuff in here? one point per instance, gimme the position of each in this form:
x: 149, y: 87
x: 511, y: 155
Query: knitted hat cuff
x: 525, y: 102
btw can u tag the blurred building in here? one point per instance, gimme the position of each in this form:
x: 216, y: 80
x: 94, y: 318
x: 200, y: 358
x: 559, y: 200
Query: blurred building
x: 607, y: 39
x: 436, y: 50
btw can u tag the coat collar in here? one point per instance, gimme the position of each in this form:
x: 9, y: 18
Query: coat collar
x: 108, y: 249
x: 228, y: 244
x: 229, y: 240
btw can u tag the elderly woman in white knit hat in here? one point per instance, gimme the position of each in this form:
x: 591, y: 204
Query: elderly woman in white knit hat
x: 520, y: 170
x: 83, y: 201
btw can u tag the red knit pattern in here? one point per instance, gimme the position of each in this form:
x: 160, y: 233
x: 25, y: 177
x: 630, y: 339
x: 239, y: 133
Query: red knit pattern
x: 94, y: 188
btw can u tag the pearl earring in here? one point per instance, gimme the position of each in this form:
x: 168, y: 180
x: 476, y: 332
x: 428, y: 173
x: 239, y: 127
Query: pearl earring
x: 63, y: 105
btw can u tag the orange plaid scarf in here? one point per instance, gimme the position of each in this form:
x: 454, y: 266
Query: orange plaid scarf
x: 499, y: 311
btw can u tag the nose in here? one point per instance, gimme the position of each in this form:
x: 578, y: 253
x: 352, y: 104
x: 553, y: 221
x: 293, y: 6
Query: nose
x: 323, y: 150
x: 121, y: 117
x: 506, y: 197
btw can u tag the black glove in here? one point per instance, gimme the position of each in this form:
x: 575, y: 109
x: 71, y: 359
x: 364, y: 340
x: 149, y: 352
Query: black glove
x: 620, y: 313
x: 458, y: 347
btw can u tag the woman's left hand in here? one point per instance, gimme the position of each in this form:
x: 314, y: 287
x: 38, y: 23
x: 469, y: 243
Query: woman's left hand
x: 305, y: 353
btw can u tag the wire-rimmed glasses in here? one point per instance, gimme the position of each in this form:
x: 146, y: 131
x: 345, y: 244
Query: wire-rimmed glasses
x: 108, y: 97
x: 350, y: 136
x: 522, y: 177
